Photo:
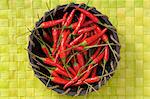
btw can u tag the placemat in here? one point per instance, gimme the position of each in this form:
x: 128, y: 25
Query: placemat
x: 130, y: 17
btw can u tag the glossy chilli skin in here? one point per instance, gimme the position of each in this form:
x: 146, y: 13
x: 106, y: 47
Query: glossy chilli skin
x: 74, y: 46
x: 51, y: 23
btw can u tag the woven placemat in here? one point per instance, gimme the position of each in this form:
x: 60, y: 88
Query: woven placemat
x: 132, y: 20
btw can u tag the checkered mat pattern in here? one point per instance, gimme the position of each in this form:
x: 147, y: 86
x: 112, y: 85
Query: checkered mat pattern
x: 130, y: 17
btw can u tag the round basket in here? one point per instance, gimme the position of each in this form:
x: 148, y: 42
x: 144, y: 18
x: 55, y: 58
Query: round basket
x: 35, y: 48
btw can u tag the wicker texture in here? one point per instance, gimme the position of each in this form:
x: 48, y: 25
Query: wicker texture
x: 131, y: 18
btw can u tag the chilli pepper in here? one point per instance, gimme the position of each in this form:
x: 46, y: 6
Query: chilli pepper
x: 86, y: 75
x: 76, y: 67
x: 57, y: 80
x: 86, y: 29
x: 67, y: 22
x: 71, y: 70
x: 92, y: 79
x: 69, y: 19
x: 84, y: 37
x: 74, y: 25
x: 88, y: 80
x: 105, y: 39
x: 79, y: 48
x: 97, y: 29
x: 51, y: 23
x: 93, y: 18
x: 95, y: 42
x: 91, y: 39
x: 98, y: 58
x: 55, y: 34
x: 94, y: 72
x: 62, y: 54
x: 80, y: 59
x: 46, y: 37
x: 63, y: 73
x: 56, y: 57
x: 87, y: 23
x: 76, y: 40
x: 96, y: 53
x: 88, y: 14
x: 53, y: 73
x: 64, y: 17
x: 80, y: 22
x: 75, y: 79
x: 106, y: 55
x: 47, y: 61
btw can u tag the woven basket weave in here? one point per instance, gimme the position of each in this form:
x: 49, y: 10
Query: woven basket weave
x: 111, y: 64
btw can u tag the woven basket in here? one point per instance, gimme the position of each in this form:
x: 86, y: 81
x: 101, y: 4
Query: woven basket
x: 74, y: 91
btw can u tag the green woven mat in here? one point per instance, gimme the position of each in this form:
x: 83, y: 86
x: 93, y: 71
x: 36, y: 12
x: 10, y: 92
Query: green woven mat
x: 132, y: 20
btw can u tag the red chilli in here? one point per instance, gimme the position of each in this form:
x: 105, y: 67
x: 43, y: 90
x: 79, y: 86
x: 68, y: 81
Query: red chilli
x: 91, y: 39
x: 80, y: 59
x: 106, y: 55
x: 80, y: 22
x: 88, y: 14
x: 74, y: 25
x: 86, y: 75
x: 47, y: 37
x: 88, y: 80
x: 94, y: 72
x: 75, y: 79
x: 53, y: 73
x: 59, y: 80
x: 69, y: 19
x: 63, y: 73
x: 62, y: 54
x: 47, y: 61
x: 51, y: 23
x: 86, y: 29
x: 98, y: 58
x: 64, y: 17
x: 76, y: 40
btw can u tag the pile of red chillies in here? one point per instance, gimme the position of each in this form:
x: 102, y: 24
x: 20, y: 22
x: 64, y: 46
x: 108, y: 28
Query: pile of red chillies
x: 72, y: 62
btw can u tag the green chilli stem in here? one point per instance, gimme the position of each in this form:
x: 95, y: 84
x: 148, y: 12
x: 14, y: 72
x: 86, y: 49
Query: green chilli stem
x: 66, y: 69
x: 34, y: 65
x: 112, y: 51
x: 47, y: 82
x: 106, y: 74
x: 33, y: 55
x: 99, y: 45
x: 42, y: 74
x: 86, y: 4
x: 91, y: 86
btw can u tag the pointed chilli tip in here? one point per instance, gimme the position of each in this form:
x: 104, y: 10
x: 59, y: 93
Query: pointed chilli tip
x: 105, y: 62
